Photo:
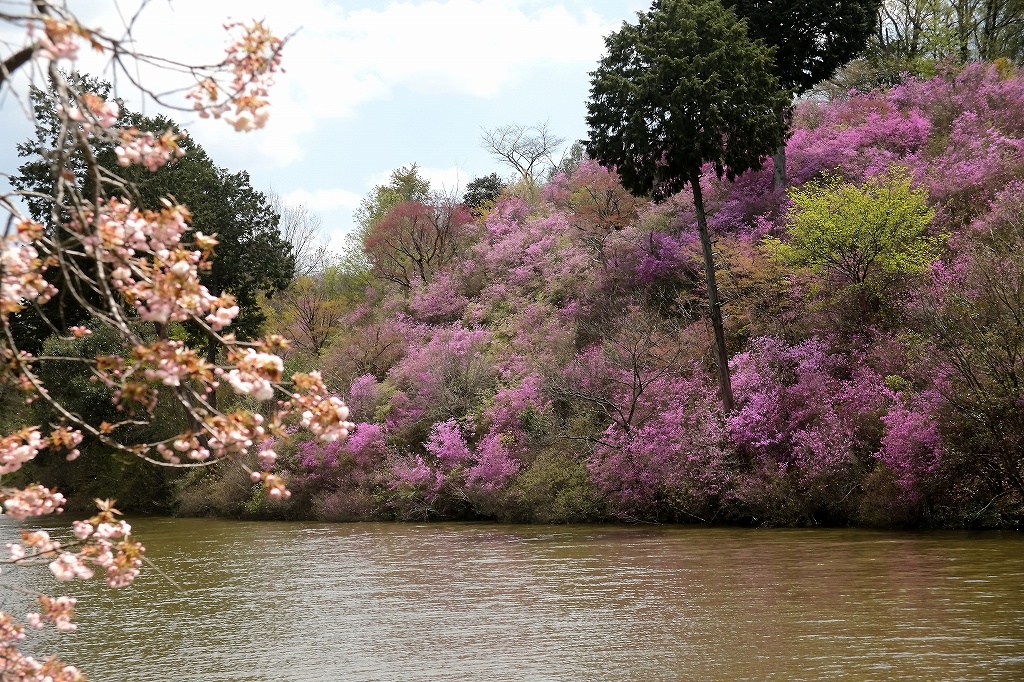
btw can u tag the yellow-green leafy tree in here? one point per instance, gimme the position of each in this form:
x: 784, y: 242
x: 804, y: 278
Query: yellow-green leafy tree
x: 851, y: 234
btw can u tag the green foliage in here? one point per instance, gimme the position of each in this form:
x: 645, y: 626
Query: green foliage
x: 857, y: 232
x: 556, y: 488
x: 683, y: 87
x: 251, y: 257
x: 482, y: 192
x: 405, y: 184
x: 813, y: 38
x: 71, y: 380
x: 99, y: 472
x: 913, y: 33
x: 221, y: 490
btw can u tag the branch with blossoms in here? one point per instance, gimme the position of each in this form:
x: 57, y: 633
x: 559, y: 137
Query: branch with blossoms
x: 133, y: 272
x: 236, y: 88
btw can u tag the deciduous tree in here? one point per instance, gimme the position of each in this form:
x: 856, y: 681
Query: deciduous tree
x: 405, y: 184
x: 523, y: 147
x: 302, y: 228
x: 853, y: 233
x: 414, y: 239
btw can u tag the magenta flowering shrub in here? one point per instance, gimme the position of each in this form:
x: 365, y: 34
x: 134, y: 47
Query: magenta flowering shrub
x: 822, y: 419
x: 342, y: 463
x: 912, y: 446
x: 340, y: 480
x: 365, y: 395
x: 859, y: 138
x: 445, y: 377
x: 806, y: 424
x: 441, y: 300
x: 960, y: 134
x: 805, y: 404
x: 448, y: 446
x: 513, y: 407
x: 979, y: 160
x: 451, y: 473
x: 494, y: 464
x: 673, y: 465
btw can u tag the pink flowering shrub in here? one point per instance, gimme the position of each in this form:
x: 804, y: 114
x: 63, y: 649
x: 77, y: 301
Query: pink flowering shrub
x: 445, y: 377
x: 537, y: 254
x: 340, y: 480
x: 912, y: 446
x: 817, y: 421
x: 673, y: 464
x: 494, y: 464
x: 451, y: 473
x: 517, y: 408
x: 438, y: 301
x: 364, y: 397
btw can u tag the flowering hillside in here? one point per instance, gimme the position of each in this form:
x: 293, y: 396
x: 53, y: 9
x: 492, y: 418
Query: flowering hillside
x: 551, y: 359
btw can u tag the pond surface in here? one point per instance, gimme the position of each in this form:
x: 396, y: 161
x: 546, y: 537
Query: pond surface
x: 471, y: 602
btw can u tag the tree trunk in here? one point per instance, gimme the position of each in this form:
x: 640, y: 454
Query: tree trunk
x: 964, y: 18
x: 779, y: 160
x: 211, y: 357
x: 724, y: 381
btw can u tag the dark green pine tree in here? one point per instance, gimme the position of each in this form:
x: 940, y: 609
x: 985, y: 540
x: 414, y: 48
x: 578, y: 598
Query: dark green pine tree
x: 683, y: 87
x: 812, y: 39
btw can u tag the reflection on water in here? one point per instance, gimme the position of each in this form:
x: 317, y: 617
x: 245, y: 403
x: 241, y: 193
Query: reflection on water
x: 472, y: 602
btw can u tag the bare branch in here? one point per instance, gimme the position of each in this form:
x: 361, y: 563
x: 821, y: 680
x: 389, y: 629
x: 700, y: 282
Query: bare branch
x: 524, y: 148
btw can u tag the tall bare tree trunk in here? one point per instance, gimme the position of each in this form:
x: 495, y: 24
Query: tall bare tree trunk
x: 779, y: 160
x: 724, y: 380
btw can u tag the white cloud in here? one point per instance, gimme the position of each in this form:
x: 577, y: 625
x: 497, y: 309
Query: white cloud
x: 324, y: 199
x: 338, y: 59
x: 446, y: 180
x: 462, y: 46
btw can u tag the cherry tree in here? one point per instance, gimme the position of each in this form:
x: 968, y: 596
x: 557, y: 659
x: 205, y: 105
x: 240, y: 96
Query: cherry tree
x: 135, y: 275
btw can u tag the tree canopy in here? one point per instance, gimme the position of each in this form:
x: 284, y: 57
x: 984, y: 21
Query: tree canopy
x: 483, y: 191
x: 851, y: 232
x: 409, y: 243
x: 683, y: 87
x: 405, y: 184
x: 812, y: 38
x: 251, y: 256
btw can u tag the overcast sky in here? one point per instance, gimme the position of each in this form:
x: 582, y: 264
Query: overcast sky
x: 372, y: 86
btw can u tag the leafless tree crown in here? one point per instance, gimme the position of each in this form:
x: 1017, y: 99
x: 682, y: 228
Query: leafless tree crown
x: 526, y: 148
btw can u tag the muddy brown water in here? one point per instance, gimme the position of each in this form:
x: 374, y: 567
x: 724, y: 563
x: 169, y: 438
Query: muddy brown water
x: 256, y: 602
